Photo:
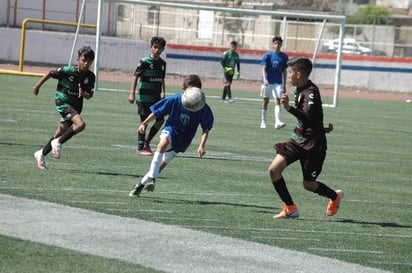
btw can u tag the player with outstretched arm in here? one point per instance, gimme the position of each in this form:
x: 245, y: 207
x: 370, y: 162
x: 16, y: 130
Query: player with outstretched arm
x: 186, y: 111
x: 74, y: 84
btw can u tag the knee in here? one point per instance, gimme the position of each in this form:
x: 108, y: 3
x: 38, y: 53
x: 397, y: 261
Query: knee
x: 274, y: 172
x: 80, y: 127
x: 310, y: 185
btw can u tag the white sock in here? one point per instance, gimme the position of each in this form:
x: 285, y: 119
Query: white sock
x: 264, y: 115
x: 154, y: 168
x: 277, y: 114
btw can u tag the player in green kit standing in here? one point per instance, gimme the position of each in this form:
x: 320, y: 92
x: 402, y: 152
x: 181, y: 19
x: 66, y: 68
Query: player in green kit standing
x: 149, y: 80
x: 230, y: 61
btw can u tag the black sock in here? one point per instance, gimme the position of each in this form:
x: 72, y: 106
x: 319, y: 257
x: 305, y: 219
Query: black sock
x: 229, y: 92
x: 224, y: 92
x: 67, y: 135
x: 153, y: 131
x: 282, y: 190
x: 47, y: 148
x: 325, y: 191
x: 140, y: 141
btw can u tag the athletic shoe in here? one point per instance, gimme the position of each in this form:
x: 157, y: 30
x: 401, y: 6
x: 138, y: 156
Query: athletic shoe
x: 41, y: 161
x: 145, y: 151
x: 280, y: 125
x: 288, y: 212
x: 231, y: 100
x: 136, y: 190
x: 56, y: 148
x: 150, y: 186
x: 263, y: 124
x: 333, y: 205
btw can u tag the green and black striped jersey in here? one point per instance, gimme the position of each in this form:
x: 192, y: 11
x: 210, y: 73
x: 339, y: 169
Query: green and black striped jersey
x: 151, y: 73
x: 67, y: 91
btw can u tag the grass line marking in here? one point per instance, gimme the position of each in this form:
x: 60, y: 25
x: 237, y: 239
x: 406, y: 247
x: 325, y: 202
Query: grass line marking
x: 346, y: 250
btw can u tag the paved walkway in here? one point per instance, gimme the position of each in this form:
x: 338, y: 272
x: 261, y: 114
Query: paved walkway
x: 175, y: 249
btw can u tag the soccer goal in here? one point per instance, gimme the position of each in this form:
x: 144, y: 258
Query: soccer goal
x: 197, y: 35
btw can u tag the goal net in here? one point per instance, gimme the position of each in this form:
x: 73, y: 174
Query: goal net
x: 197, y: 36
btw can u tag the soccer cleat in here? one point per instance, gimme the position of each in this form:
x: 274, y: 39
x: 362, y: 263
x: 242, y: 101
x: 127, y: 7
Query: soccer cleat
x: 280, y: 125
x: 150, y: 186
x: 56, y: 148
x: 291, y: 211
x: 231, y: 100
x: 145, y: 151
x: 263, y: 124
x: 41, y: 161
x: 136, y: 190
x: 333, y: 205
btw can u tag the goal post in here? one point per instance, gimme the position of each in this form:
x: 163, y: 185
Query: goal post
x: 199, y: 33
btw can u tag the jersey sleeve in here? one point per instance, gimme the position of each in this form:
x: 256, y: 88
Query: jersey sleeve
x: 207, y: 119
x: 141, y: 67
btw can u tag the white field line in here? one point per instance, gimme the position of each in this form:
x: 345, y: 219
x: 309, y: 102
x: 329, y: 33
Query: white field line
x: 390, y: 263
x: 84, y: 191
x: 285, y: 238
x: 176, y: 249
x: 302, y: 231
x: 140, y: 210
x: 341, y: 250
x: 188, y: 219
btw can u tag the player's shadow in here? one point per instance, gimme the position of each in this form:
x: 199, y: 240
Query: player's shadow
x: 210, y: 203
x: 114, y: 174
x: 19, y: 144
x: 381, y: 224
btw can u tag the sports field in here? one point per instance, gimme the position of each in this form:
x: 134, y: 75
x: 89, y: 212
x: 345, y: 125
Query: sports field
x: 226, y: 193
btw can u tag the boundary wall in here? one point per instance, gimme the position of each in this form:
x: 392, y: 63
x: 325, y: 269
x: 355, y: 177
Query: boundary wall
x: 372, y: 73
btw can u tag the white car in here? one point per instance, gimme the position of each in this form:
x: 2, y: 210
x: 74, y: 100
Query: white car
x: 349, y: 46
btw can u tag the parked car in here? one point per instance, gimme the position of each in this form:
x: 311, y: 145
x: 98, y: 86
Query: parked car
x: 350, y: 46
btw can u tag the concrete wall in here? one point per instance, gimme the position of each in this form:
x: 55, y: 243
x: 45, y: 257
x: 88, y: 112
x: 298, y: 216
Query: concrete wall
x: 380, y: 74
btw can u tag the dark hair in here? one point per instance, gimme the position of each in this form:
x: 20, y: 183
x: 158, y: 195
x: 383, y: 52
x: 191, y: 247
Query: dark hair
x: 156, y: 40
x: 87, y: 52
x: 302, y: 65
x: 234, y: 43
x: 277, y: 39
x: 192, y: 80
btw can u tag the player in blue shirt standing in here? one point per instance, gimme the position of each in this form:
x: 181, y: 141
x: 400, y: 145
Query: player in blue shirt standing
x: 178, y: 132
x: 274, y: 72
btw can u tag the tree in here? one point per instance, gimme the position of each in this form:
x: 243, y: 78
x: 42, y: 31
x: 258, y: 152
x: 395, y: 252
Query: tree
x: 370, y: 15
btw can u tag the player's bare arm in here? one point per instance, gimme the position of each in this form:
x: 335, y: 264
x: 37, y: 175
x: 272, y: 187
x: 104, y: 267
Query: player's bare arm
x: 142, y: 126
x: 201, y: 151
x: 36, y: 88
x: 265, y: 81
x: 132, y: 95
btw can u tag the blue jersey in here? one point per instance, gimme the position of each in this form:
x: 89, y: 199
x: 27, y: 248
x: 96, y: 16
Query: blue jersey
x: 181, y: 123
x: 275, y: 64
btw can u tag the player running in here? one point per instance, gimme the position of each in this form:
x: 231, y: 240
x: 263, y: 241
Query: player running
x: 74, y: 84
x: 308, y: 143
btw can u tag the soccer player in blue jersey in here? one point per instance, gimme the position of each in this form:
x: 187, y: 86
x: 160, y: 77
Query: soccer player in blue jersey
x: 177, y: 135
x: 308, y: 142
x: 274, y: 72
x: 75, y: 82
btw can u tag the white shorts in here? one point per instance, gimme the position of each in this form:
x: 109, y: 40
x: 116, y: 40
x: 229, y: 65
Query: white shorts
x: 169, y: 154
x: 275, y: 90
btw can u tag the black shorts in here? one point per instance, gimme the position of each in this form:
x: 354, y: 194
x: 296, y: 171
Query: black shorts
x: 311, y: 161
x: 143, y: 110
x: 227, y: 78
